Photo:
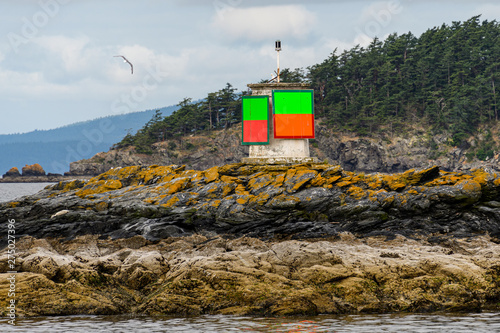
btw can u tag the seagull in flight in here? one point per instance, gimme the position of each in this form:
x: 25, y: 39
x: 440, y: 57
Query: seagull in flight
x: 126, y: 60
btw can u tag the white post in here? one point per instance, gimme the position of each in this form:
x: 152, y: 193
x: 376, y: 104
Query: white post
x: 278, y: 67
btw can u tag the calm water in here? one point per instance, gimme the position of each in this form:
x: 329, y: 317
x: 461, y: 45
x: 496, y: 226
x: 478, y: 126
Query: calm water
x: 482, y: 322
x: 11, y: 191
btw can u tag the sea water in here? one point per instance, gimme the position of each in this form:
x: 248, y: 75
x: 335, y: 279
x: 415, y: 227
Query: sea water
x: 12, y: 191
x: 456, y: 323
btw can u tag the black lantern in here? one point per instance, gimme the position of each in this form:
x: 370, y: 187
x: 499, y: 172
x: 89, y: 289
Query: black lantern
x: 278, y: 45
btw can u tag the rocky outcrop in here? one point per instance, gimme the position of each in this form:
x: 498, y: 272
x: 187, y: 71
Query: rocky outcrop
x: 382, y: 153
x: 199, y: 274
x: 35, y: 174
x: 258, y: 239
x: 33, y: 170
x: 13, y: 172
x: 49, y: 178
x: 196, y: 152
x: 301, y: 201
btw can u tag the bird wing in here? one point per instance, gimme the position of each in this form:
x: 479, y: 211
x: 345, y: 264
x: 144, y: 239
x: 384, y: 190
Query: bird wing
x: 126, y: 60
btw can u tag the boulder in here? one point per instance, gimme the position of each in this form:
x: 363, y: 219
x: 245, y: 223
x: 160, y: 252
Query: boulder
x: 33, y: 170
x: 13, y: 172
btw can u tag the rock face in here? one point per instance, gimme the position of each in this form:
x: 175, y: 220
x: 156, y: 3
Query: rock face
x: 387, y: 153
x: 301, y: 201
x: 195, y: 275
x: 13, y: 172
x: 258, y: 239
x: 196, y: 152
x: 33, y: 170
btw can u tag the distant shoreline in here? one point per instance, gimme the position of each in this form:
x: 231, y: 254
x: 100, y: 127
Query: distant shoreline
x: 42, y: 179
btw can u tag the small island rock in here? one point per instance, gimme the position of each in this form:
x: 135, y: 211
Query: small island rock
x: 13, y: 172
x: 33, y: 170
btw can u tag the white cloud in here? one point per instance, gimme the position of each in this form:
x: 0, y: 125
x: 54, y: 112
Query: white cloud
x: 261, y: 23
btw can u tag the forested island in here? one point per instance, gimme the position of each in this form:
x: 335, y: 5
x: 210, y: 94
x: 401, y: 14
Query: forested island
x: 212, y: 235
x: 443, y: 82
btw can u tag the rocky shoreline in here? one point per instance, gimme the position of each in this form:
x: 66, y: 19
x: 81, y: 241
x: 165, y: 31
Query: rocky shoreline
x: 257, y: 239
x: 43, y: 179
x: 246, y: 276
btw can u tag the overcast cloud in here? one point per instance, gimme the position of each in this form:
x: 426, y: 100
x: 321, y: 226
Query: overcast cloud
x: 57, y: 63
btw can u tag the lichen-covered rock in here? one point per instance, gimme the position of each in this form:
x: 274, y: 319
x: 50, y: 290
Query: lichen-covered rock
x: 307, y: 200
x: 33, y: 170
x: 247, y: 276
x: 13, y: 172
x: 257, y: 239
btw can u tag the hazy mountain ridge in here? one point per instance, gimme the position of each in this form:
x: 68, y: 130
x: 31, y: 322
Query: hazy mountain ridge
x: 54, y: 149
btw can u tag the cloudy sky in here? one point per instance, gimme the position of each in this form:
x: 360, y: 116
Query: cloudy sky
x: 57, y: 63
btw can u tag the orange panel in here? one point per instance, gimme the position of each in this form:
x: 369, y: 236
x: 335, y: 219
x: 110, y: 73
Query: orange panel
x: 294, y: 126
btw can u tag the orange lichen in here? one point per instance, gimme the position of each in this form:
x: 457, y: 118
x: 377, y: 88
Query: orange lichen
x: 356, y: 192
x: 344, y: 183
x: 469, y: 185
x: 278, y: 181
x: 333, y: 179
x: 242, y: 200
x: 70, y: 186
x: 333, y: 171
x: 318, y: 181
x: 260, y: 199
x: 482, y: 177
x: 215, y: 203
x: 211, y: 174
x: 174, y: 186
x: 300, y: 178
x: 33, y: 170
x: 171, y: 202
x: 100, y: 186
x: 230, y: 179
x: 101, y: 206
x: 241, y: 190
x: 162, y: 173
x: 13, y: 172
x: 256, y: 183
x: 448, y: 178
x: 284, y: 200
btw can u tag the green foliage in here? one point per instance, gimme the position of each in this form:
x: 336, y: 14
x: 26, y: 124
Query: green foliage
x: 298, y: 75
x: 445, y: 79
x: 172, y: 145
x: 219, y: 110
x: 485, y: 147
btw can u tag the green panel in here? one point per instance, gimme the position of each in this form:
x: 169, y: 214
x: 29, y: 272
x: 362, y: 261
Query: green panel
x: 293, y: 101
x: 255, y: 107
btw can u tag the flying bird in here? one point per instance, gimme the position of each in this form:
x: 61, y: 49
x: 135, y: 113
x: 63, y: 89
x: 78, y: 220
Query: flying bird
x: 126, y: 60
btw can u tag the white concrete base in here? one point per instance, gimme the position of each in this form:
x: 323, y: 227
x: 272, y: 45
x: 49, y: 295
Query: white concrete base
x: 280, y: 148
x: 279, y: 160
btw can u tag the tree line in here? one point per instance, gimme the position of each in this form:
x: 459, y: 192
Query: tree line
x: 444, y: 80
x: 219, y: 110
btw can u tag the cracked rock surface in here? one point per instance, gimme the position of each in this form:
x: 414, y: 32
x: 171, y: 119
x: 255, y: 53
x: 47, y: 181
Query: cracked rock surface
x: 257, y: 239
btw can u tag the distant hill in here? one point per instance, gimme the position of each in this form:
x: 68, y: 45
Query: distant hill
x: 55, y: 149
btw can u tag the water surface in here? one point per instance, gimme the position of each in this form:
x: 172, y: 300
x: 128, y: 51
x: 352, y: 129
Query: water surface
x: 11, y: 191
x: 456, y: 323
